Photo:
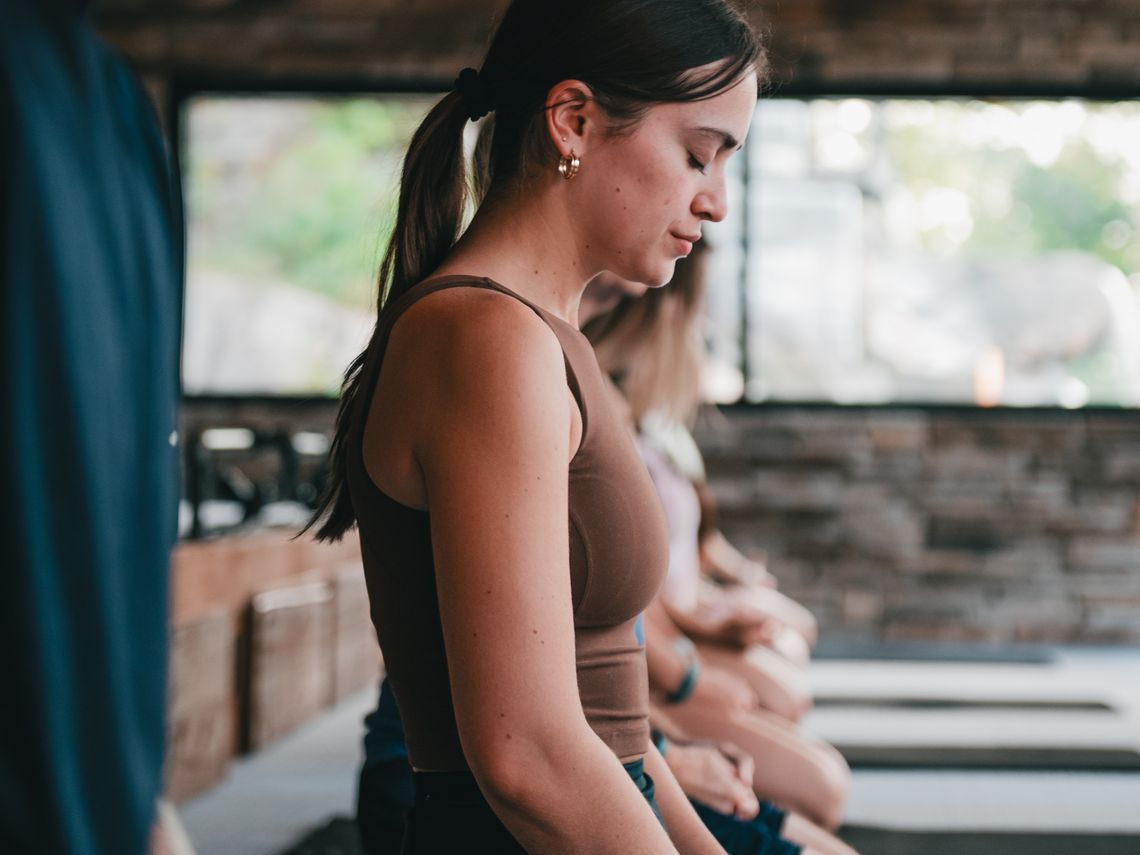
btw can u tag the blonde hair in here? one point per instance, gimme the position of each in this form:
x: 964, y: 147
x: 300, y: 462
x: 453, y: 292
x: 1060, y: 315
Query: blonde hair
x: 652, y: 346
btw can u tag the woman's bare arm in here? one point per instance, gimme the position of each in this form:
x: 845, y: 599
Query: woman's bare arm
x: 493, y: 448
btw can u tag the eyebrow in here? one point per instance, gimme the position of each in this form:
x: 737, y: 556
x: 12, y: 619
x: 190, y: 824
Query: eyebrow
x: 727, y: 139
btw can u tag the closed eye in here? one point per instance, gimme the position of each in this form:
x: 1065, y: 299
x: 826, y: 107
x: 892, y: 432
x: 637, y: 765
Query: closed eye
x: 697, y: 165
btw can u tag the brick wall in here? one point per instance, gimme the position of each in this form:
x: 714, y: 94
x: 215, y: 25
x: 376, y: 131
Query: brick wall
x: 949, y: 525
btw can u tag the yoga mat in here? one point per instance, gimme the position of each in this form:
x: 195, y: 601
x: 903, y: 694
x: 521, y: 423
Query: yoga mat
x: 1031, y: 705
x: 931, y: 651
x: 1084, y: 759
x: 877, y: 841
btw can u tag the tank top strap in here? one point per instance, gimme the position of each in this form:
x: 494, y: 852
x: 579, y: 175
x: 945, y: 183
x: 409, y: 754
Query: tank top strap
x: 569, y: 338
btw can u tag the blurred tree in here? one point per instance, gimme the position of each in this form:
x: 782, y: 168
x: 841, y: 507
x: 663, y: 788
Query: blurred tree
x: 318, y: 210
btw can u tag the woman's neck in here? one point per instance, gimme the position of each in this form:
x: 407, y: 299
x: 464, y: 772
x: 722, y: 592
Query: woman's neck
x: 527, y: 243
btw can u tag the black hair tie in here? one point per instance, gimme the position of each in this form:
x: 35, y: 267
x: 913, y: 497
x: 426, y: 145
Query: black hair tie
x: 472, y: 88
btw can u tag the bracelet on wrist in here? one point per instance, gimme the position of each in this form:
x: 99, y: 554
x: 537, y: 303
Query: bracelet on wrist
x: 684, y: 646
x: 688, y: 683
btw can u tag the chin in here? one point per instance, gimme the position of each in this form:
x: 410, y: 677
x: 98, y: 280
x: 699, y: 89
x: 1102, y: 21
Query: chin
x: 650, y: 272
x: 664, y: 274
x: 654, y: 275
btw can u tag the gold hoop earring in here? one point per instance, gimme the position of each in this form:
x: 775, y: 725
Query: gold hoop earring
x: 568, y: 166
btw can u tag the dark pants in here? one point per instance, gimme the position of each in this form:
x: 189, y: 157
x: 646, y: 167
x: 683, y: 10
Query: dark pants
x: 451, y: 815
x: 759, y: 836
x: 438, y: 812
x: 386, y: 794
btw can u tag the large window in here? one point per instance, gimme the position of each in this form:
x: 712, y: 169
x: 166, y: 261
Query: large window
x: 289, y: 200
x: 879, y: 250
x: 939, y: 251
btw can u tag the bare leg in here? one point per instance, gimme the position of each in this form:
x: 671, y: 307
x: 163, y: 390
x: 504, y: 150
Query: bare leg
x: 780, y: 687
x: 812, y: 838
x: 792, y: 769
x: 792, y: 646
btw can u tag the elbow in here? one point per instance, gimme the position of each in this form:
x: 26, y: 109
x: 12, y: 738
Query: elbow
x: 502, y: 776
x: 511, y: 772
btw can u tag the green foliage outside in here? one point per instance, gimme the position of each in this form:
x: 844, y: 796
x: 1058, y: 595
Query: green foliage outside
x: 316, y: 210
x: 1021, y: 209
x: 1073, y: 203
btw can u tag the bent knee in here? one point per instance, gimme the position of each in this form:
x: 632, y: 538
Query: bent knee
x: 791, y: 700
x: 834, y: 783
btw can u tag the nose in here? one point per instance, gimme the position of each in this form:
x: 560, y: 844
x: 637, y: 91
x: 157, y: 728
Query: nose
x: 711, y: 203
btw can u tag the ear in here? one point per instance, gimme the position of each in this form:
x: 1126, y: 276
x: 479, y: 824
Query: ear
x: 572, y: 117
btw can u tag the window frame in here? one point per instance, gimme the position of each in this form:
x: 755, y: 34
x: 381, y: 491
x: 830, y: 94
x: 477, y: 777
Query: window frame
x: 183, y: 87
x: 1092, y: 91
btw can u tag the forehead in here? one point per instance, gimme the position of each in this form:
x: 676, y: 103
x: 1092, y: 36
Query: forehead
x: 726, y: 113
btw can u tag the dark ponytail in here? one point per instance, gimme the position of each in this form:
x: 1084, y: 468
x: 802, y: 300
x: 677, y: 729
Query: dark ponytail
x: 433, y: 192
x: 632, y: 54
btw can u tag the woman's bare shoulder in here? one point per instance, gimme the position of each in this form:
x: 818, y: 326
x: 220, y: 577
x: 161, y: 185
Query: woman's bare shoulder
x: 462, y: 331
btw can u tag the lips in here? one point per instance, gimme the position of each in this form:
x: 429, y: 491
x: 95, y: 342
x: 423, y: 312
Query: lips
x: 684, y: 243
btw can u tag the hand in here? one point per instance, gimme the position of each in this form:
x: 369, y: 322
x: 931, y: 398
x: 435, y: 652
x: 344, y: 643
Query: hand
x: 729, y: 566
x: 756, y: 573
x: 722, y: 690
x: 739, y: 625
x: 709, y: 775
x: 744, y: 763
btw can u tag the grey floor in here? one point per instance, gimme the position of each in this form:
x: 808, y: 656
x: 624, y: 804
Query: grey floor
x: 1087, y: 700
x: 271, y: 799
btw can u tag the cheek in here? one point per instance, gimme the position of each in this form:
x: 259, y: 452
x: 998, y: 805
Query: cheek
x: 629, y: 205
x: 645, y: 193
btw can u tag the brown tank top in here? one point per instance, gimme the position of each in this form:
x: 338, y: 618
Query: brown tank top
x: 618, y: 558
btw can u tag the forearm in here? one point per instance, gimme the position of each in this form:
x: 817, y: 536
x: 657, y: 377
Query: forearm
x: 574, y: 797
x: 691, y: 622
x: 662, y: 722
x: 703, y: 622
x: 686, y: 830
x: 667, y: 667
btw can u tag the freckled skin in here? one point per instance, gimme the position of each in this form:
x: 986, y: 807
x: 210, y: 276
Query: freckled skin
x: 662, y: 193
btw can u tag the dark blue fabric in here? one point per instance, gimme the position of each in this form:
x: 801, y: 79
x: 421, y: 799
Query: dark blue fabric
x: 771, y: 817
x: 90, y: 296
x: 745, y: 837
x: 449, y: 814
x: 386, y: 792
x: 383, y: 730
x: 387, y: 789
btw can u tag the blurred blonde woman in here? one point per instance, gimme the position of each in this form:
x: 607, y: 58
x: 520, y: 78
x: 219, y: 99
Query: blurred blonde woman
x: 653, y: 350
x: 725, y: 658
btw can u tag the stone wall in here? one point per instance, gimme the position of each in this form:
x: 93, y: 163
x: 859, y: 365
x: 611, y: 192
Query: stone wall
x: 947, y: 525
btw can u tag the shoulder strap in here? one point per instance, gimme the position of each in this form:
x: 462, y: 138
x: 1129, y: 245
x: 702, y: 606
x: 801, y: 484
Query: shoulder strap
x: 390, y: 314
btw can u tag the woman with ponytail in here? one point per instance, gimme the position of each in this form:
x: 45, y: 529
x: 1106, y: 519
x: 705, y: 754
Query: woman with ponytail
x: 509, y: 532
